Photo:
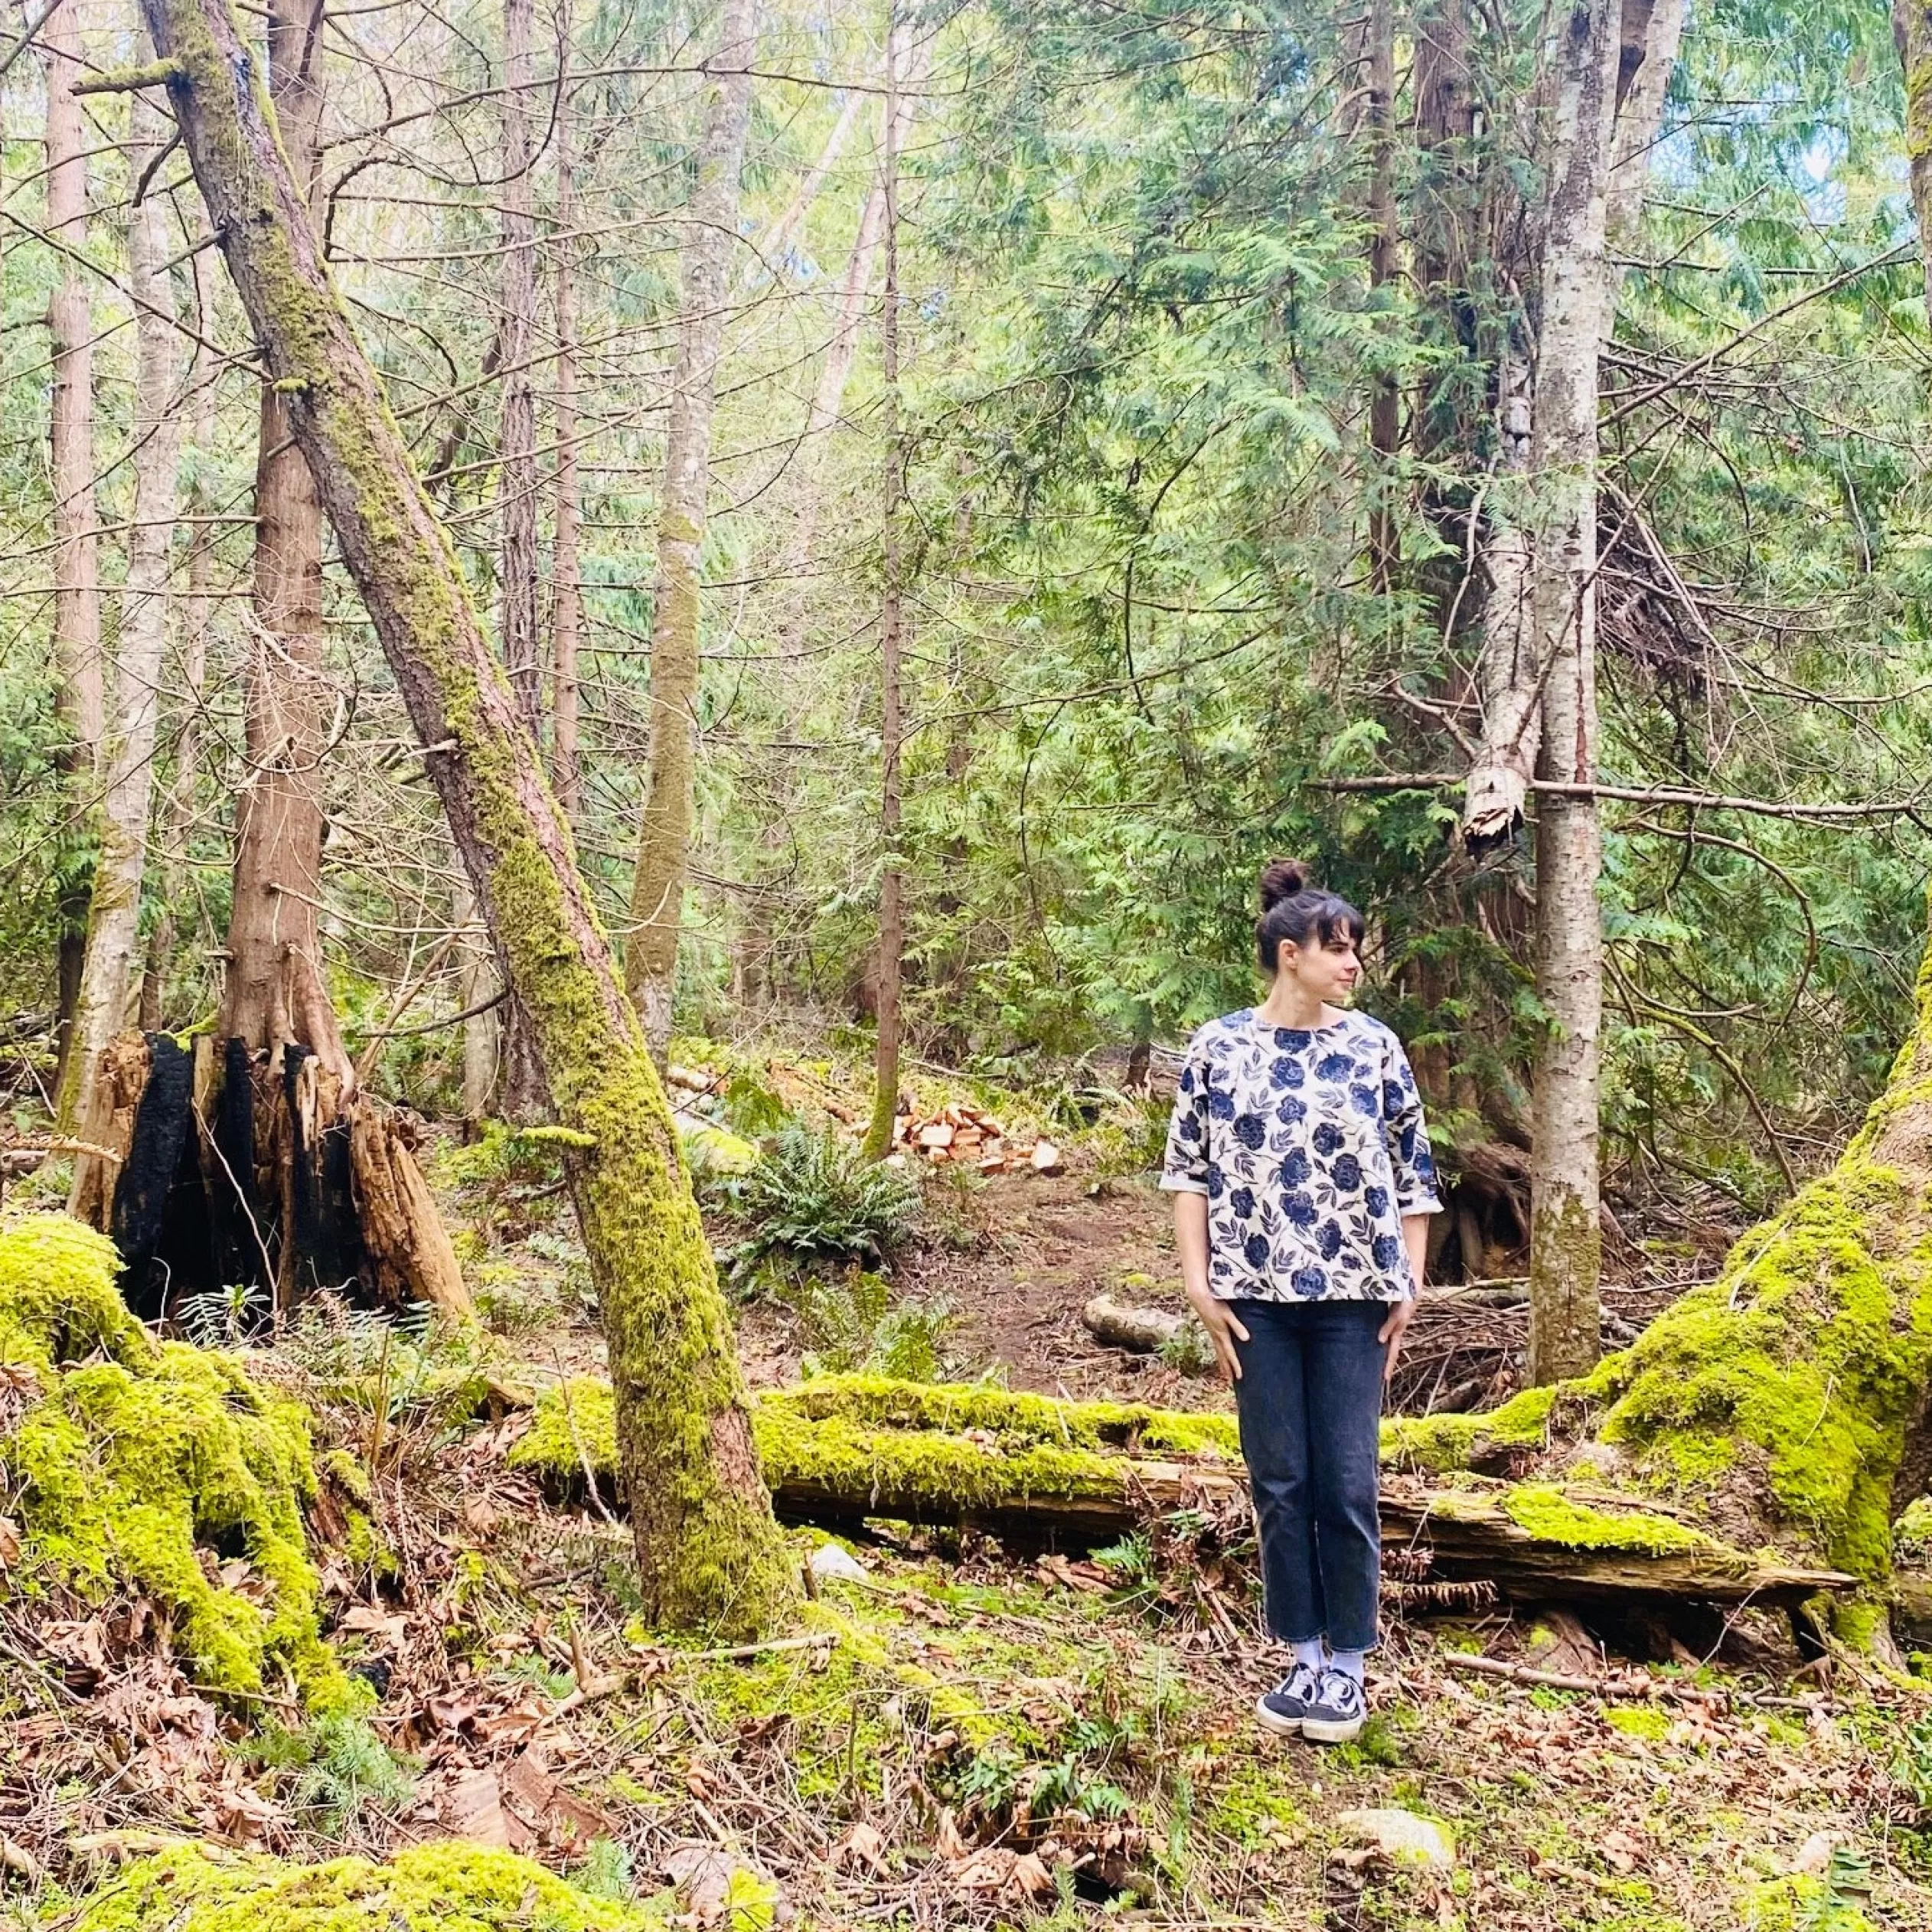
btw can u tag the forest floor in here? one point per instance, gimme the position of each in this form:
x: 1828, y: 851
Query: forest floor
x: 954, y: 1737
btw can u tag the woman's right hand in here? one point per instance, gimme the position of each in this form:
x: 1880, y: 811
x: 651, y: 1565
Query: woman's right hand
x: 1224, y: 1330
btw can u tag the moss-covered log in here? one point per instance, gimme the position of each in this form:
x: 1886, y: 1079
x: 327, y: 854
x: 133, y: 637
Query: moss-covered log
x: 1041, y: 1474
x: 1784, y: 1405
x: 708, y: 1549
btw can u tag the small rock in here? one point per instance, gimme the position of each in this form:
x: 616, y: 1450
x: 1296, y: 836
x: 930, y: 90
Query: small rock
x: 833, y: 1563
x: 1400, y: 1837
x: 1815, y: 1854
x: 1046, y: 1158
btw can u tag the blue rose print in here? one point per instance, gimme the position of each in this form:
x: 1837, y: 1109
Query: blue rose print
x: 1310, y: 1147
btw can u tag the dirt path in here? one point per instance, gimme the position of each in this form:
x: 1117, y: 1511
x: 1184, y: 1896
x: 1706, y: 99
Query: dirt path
x: 1015, y: 1260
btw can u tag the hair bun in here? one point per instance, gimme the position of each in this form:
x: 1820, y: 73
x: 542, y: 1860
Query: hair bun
x: 1282, y: 879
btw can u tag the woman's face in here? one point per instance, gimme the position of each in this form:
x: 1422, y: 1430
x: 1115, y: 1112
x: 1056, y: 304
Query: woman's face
x: 1326, y: 969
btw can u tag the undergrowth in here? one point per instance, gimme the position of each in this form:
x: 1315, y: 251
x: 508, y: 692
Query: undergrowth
x: 813, y: 1198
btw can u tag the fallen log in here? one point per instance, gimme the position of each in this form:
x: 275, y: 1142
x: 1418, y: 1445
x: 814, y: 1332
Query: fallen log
x: 1141, y: 1331
x: 1043, y: 1474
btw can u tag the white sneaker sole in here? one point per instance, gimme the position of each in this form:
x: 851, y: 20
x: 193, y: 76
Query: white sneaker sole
x: 1274, y: 1721
x: 1321, y: 1730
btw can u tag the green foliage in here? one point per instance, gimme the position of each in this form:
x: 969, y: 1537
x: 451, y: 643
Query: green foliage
x: 813, y: 1198
x: 854, y: 1324
x: 342, y: 1772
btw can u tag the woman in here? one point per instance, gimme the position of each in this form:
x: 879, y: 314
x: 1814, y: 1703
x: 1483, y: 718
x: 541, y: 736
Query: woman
x: 1302, y: 1186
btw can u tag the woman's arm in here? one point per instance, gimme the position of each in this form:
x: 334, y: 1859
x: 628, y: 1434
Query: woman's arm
x: 1415, y: 1239
x: 1191, y: 1238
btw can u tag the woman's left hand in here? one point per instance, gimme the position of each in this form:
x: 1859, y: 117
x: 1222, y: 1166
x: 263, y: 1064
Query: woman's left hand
x: 1390, y: 1334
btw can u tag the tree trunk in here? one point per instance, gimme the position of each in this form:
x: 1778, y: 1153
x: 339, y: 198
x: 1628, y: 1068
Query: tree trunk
x: 1784, y: 1404
x: 107, y: 980
x: 482, y: 1032
x: 828, y: 395
x: 663, y: 842
x: 779, y: 234
x: 566, y: 591
x: 79, y: 696
x: 516, y: 455
x: 891, y: 880
x: 707, y: 1548
x: 1384, y: 400
x: 178, y: 818
x: 1565, y: 1241
x: 275, y: 990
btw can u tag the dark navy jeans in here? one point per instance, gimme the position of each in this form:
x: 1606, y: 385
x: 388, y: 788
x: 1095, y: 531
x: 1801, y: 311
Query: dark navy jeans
x: 1310, y: 1399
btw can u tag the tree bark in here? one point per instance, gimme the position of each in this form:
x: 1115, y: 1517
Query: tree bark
x: 707, y: 1548
x: 275, y: 990
x: 663, y: 842
x: 892, y: 878
x: 178, y: 817
x: 1565, y: 1240
x: 79, y: 696
x: 1384, y: 400
x: 516, y: 455
x: 567, y: 589
x: 107, y: 980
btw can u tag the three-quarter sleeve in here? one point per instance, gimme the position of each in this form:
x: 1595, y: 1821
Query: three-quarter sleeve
x: 1407, y: 1137
x: 1184, y: 1169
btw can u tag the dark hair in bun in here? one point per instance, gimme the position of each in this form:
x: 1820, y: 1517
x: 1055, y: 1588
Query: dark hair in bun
x: 1293, y: 908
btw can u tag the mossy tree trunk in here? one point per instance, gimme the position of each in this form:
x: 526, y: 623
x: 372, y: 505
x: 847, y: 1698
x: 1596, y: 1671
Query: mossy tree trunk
x: 708, y: 1548
x: 663, y: 844
x: 1785, y: 1404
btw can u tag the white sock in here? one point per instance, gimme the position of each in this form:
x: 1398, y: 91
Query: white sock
x: 1311, y: 1653
x: 1350, y: 1664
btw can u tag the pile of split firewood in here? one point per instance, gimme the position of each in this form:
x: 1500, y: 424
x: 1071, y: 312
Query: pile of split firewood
x: 971, y: 1137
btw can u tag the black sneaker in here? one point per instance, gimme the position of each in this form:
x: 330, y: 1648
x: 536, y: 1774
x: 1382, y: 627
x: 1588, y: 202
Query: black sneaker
x: 1283, y: 1709
x: 1337, y: 1711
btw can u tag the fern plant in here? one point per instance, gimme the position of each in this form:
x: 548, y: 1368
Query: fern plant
x: 814, y: 1198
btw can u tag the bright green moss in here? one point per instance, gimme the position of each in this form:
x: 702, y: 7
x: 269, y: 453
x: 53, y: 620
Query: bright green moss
x: 1440, y: 1443
x: 1019, y: 1420
x: 913, y: 1445
x: 448, y: 1886
x: 137, y: 1457
x: 59, y: 1299
x: 1642, y: 1721
x: 1552, y: 1517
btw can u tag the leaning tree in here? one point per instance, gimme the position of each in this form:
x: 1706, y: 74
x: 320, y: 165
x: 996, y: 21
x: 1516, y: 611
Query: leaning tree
x: 708, y: 1549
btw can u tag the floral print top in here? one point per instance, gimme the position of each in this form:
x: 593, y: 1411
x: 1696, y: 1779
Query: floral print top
x: 1309, y: 1144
